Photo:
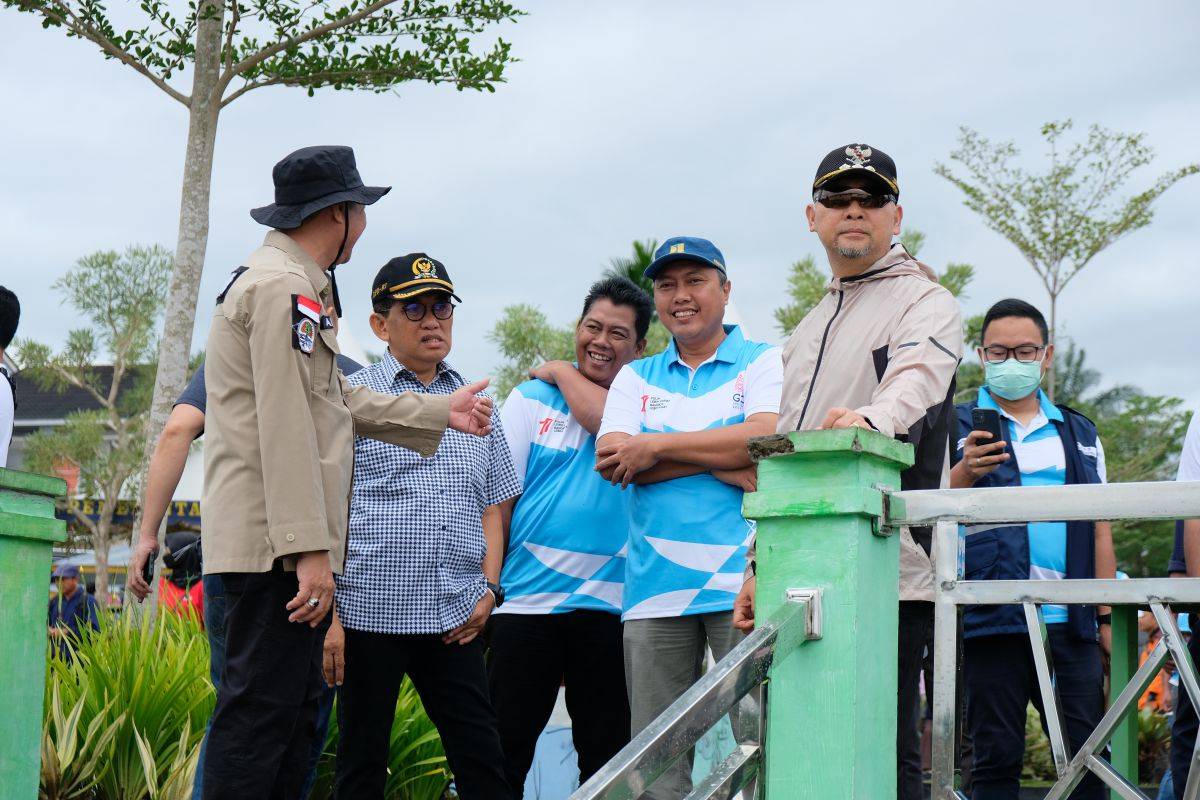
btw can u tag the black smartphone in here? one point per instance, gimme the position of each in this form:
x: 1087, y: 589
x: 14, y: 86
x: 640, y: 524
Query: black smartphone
x: 148, y: 567
x: 987, y: 419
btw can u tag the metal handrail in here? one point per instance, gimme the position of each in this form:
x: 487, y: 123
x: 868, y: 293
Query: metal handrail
x: 684, y: 722
x: 1149, y: 500
x: 983, y: 509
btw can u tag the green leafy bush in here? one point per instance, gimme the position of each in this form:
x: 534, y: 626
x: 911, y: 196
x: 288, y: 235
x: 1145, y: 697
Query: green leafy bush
x: 125, y: 715
x: 416, y: 764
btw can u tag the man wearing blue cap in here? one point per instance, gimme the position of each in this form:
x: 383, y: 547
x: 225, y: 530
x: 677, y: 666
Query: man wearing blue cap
x: 72, y: 608
x: 675, y: 428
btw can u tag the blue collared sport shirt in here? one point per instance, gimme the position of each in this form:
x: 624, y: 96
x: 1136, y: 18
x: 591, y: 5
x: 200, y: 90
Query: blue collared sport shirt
x: 566, y: 549
x: 414, y: 560
x: 688, y: 539
x: 1042, y: 461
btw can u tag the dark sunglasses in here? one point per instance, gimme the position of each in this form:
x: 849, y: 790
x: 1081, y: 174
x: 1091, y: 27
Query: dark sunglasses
x: 442, y: 309
x: 843, y: 199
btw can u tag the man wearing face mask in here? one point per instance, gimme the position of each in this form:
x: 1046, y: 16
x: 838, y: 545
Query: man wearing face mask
x: 1044, y: 445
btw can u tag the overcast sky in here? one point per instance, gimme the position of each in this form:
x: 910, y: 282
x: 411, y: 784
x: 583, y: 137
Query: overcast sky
x: 631, y: 120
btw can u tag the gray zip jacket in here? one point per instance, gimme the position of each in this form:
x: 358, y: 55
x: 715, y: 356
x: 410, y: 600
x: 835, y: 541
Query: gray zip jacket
x: 887, y: 344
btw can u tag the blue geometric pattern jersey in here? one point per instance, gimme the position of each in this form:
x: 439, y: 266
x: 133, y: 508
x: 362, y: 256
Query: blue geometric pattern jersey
x: 570, y: 527
x: 688, y: 539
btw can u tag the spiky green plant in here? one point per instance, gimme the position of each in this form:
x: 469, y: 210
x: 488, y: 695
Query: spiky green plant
x: 416, y: 762
x: 140, y: 694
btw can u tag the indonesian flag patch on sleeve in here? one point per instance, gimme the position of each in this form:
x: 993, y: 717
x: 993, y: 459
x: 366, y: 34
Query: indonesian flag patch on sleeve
x: 306, y: 316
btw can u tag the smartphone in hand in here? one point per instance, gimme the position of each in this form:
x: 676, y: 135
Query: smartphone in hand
x: 987, y: 419
x: 148, y: 568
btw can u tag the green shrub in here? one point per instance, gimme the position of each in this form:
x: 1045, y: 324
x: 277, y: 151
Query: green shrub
x: 125, y: 715
x: 1154, y: 748
x: 416, y: 764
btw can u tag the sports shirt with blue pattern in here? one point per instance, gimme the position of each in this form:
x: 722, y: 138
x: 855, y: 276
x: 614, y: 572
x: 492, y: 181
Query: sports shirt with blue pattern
x: 688, y: 539
x: 570, y: 527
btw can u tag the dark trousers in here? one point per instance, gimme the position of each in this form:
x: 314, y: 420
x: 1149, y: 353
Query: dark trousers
x: 916, y: 625
x: 1183, y: 730
x: 531, y: 656
x: 265, y: 720
x: 452, y: 684
x: 1001, y: 681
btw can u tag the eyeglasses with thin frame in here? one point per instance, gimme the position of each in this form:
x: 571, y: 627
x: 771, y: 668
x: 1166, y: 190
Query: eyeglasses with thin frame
x: 442, y: 309
x: 843, y: 199
x: 1025, y: 353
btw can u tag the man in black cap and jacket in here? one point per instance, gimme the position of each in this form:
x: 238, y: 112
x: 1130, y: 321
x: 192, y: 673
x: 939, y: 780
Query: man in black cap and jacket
x: 278, y: 455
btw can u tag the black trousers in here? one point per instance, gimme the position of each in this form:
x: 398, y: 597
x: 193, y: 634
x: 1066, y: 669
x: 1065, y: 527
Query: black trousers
x: 265, y: 718
x: 452, y: 683
x: 1001, y: 681
x: 532, y: 655
x: 1183, y: 730
x: 916, y: 626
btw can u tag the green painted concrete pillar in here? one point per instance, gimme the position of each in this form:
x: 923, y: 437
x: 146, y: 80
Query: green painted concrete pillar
x: 831, y: 707
x: 28, y: 530
x: 1123, y: 664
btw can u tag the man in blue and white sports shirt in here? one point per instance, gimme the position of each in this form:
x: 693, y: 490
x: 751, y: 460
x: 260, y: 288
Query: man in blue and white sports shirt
x: 672, y: 424
x: 560, y: 624
x: 1044, y: 445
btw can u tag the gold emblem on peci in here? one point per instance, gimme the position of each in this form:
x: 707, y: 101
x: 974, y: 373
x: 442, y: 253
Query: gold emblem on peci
x: 423, y: 268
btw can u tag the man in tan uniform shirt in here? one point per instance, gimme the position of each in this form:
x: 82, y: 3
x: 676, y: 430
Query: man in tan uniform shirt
x: 279, y: 447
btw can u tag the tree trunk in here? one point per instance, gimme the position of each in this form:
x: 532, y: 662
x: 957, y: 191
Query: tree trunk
x: 1050, y: 376
x: 174, y: 347
x: 100, y: 549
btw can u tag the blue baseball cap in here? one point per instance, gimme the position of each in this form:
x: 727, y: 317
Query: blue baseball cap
x: 685, y: 248
x: 66, y: 571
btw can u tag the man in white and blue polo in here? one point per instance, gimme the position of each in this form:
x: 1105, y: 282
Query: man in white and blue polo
x: 1043, y: 445
x: 563, y: 575
x: 675, y: 428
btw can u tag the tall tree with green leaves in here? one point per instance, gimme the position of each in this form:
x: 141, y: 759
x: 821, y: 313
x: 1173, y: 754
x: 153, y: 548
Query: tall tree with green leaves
x: 1141, y: 435
x: 121, y: 296
x: 1063, y: 217
x: 228, y: 48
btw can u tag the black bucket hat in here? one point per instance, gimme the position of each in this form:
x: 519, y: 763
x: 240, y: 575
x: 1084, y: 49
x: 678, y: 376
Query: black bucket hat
x: 313, y: 178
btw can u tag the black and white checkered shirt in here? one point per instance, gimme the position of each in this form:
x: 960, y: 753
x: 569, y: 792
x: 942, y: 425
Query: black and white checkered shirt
x: 414, y: 562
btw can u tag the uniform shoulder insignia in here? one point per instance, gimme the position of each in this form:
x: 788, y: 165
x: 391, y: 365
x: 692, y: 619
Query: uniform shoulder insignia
x: 237, y: 273
x: 306, y: 316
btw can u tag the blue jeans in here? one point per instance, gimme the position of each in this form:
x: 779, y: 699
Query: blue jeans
x: 214, y: 626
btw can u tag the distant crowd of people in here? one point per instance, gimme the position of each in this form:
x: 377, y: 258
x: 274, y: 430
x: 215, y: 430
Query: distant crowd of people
x: 367, y: 523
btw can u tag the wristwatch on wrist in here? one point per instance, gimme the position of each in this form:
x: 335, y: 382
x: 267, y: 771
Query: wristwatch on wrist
x: 497, y: 592
x: 1104, y: 619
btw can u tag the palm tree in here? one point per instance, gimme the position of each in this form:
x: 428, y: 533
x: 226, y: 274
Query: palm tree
x: 633, y: 267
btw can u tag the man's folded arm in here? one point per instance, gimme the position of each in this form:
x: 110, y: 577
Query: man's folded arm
x: 718, y: 448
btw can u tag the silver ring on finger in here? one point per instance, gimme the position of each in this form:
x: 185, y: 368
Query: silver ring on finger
x: 313, y: 602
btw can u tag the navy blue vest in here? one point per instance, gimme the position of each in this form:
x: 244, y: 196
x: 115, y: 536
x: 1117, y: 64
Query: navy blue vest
x: 1002, y: 552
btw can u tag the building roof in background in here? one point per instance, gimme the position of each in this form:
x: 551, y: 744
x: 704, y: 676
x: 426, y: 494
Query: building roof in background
x: 39, y: 406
